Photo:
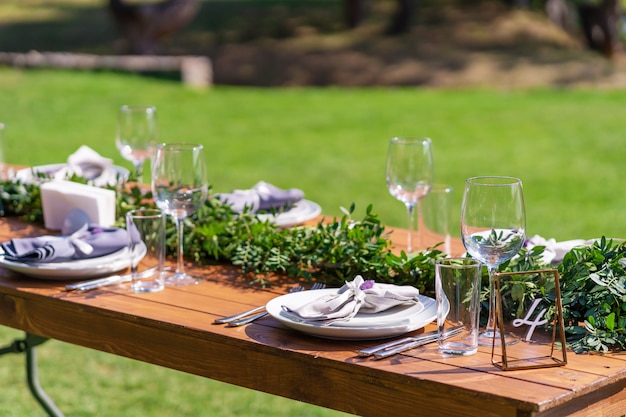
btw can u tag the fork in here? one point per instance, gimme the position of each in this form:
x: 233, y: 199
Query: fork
x: 228, y: 319
x: 250, y: 319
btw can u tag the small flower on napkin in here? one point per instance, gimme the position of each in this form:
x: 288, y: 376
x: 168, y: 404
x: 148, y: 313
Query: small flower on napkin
x: 89, y: 242
x: 262, y: 197
x: 358, y: 296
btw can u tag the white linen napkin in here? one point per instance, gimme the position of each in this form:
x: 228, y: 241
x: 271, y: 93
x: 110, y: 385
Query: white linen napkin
x: 554, y: 251
x: 87, y: 163
x: 263, y: 196
x: 59, y: 198
x: 357, y: 296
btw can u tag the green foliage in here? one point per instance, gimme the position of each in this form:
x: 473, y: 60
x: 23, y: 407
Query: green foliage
x: 593, y: 290
x: 20, y: 199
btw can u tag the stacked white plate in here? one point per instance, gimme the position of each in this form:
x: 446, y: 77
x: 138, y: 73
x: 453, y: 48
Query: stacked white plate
x: 79, y: 269
x: 389, y: 323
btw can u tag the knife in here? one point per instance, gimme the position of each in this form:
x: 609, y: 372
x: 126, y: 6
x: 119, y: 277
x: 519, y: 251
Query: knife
x: 385, y: 353
x: 99, y: 282
x: 424, y: 336
x: 111, y: 280
x: 370, y: 351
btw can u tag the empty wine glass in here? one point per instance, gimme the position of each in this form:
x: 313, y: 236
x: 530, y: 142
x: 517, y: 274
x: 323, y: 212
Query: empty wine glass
x: 493, y: 229
x: 410, y: 174
x: 136, y: 134
x: 180, y: 188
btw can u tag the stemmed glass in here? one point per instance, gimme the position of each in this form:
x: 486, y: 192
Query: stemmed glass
x: 410, y: 174
x: 493, y: 229
x: 136, y: 134
x: 179, y: 188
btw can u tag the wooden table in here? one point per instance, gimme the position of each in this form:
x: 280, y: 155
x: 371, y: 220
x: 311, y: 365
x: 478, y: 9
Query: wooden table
x: 173, y: 328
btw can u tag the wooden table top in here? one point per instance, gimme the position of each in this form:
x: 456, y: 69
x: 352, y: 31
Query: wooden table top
x: 173, y: 328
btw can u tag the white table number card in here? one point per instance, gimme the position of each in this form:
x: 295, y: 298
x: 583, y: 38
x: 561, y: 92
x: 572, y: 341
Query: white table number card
x: 528, y: 311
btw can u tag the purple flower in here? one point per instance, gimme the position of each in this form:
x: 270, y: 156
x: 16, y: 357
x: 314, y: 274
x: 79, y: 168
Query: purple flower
x: 367, y: 284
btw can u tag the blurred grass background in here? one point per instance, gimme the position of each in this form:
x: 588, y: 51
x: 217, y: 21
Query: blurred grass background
x: 567, y: 146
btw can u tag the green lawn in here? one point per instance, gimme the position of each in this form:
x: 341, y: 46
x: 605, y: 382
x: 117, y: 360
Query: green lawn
x: 566, y: 145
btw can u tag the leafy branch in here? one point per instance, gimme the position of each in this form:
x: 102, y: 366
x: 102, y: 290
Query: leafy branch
x: 593, y: 290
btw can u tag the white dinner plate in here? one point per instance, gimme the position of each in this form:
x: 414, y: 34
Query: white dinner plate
x: 390, y: 323
x: 80, y: 269
x: 302, y: 211
x: 26, y: 174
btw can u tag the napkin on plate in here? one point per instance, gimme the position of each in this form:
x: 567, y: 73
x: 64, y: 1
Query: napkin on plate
x: 90, y: 241
x: 87, y: 163
x: 262, y: 197
x: 554, y: 251
x: 358, y: 296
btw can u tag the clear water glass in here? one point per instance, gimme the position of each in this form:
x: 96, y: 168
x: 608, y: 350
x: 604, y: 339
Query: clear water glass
x: 136, y: 135
x: 179, y: 188
x: 409, y: 175
x: 493, y: 229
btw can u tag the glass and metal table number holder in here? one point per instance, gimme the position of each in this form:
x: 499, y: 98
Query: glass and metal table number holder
x: 529, y: 311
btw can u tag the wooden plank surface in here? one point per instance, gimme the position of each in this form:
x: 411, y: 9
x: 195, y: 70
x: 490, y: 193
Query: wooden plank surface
x: 174, y: 328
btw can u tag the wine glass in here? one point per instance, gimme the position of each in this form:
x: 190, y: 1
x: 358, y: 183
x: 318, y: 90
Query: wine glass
x: 493, y: 229
x: 136, y: 134
x: 179, y: 188
x: 410, y: 174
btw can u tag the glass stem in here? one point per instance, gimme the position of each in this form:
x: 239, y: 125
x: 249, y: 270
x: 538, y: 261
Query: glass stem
x: 139, y: 172
x: 491, y: 322
x: 409, y: 240
x: 180, y: 264
x: 418, y: 225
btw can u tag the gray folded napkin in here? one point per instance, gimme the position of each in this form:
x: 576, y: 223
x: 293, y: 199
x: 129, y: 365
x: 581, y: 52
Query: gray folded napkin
x: 358, y: 296
x: 91, y: 241
x: 262, y: 197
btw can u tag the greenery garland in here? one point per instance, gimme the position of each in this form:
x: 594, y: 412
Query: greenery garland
x: 593, y: 278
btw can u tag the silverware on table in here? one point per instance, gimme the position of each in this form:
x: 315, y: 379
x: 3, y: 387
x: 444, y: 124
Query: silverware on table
x: 240, y: 315
x: 253, y: 314
x: 390, y: 351
x: 98, y: 282
x: 428, y: 337
x: 92, y: 284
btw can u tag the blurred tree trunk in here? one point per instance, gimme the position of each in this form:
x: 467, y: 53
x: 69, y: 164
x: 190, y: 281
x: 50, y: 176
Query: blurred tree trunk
x: 600, y: 26
x: 560, y: 13
x: 401, y: 19
x: 145, y: 25
x: 354, y: 12
x: 599, y: 21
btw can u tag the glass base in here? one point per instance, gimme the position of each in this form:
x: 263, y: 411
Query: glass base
x: 145, y: 287
x: 485, y: 338
x: 457, y: 349
x: 181, y: 280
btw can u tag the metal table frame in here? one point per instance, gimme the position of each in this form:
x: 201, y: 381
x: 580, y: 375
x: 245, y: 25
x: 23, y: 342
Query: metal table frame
x: 27, y: 346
